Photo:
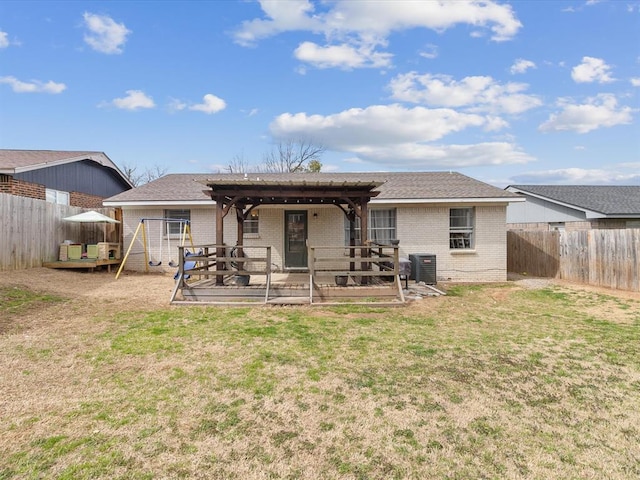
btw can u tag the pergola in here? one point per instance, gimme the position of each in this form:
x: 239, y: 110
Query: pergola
x: 246, y: 194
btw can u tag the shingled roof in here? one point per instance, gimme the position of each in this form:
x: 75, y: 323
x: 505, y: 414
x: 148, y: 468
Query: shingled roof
x: 607, y: 200
x: 418, y: 186
x: 18, y: 161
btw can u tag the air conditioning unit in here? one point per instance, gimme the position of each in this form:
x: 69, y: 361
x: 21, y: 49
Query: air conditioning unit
x: 423, y: 268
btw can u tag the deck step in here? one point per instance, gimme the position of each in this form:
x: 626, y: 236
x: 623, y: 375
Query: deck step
x: 288, y: 301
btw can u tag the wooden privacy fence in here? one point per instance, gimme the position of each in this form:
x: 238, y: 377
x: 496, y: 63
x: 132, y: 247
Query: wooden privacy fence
x: 607, y: 258
x: 31, y: 231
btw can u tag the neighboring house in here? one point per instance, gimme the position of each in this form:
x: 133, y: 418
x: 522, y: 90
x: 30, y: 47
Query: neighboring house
x: 80, y: 179
x: 574, y: 207
x: 460, y: 220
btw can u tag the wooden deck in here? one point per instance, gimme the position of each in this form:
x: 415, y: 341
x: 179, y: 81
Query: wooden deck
x: 88, y: 263
x: 208, y: 277
x: 288, y: 289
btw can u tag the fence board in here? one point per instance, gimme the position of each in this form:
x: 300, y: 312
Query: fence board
x: 534, y: 253
x: 608, y: 257
x: 31, y: 231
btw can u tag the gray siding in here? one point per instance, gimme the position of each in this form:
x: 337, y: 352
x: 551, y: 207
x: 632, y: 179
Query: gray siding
x: 85, y: 176
x: 535, y: 210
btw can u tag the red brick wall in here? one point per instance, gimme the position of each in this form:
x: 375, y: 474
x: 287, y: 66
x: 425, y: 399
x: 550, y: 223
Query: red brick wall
x: 10, y: 185
x: 85, y: 200
x: 5, y: 184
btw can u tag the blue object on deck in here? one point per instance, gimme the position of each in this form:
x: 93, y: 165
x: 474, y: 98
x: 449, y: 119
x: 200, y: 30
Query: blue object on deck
x: 188, y: 265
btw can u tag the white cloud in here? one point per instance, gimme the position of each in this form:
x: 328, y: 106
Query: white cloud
x: 579, y: 176
x: 634, y: 165
x: 476, y: 94
x: 377, y: 124
x: 495, y: 123
x: 635, y: 81
x: 420, y: 156
x: 399, y: 136
x: 34, y: 86
x: 354, y: 30
x: 429, y: 51
x: 597, y: 112
x: 521, y: 65
x: 176, y: 105
x: 281, y: 17
x: 580, y: 8
x: 341, y: 56
x: 4, y: 39
x: 592, y: 70
x: 135, y: 100
x: 210, y: 104
x: 104, y: 34
x: 372, y: 17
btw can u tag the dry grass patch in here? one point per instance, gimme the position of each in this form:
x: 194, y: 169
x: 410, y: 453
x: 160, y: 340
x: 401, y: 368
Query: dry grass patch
x: 490, y: 382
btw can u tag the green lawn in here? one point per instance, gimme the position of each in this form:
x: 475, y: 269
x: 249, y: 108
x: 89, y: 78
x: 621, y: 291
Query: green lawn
x: 488, y: 382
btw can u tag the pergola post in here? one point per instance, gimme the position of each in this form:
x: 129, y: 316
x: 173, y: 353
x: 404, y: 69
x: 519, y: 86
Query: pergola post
x: 220, y: 250
x: 240, y: 218
x: 351, y: 216
x: 364, y: 228
x: 240, y: 227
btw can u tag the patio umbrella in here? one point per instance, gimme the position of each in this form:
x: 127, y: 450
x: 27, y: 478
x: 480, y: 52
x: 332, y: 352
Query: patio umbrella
x: 91, y: 217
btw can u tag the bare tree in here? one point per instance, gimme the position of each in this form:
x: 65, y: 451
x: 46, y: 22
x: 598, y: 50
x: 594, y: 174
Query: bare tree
x: 146, y: 176
x: 293, y: 156
x: 239, y: 164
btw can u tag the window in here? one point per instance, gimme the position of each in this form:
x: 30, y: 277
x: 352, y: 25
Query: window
x: 56, y: 196
x: 251, y: 223
x: 174, y: 227
x: 461, y: 228
x: 382, y: 227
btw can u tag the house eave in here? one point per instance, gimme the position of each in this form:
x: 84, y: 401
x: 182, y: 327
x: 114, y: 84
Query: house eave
x: 405, y: 201
x: 386, y: 201
x: 158, y: 203
x: 590, y: 214
x: 98, y: 157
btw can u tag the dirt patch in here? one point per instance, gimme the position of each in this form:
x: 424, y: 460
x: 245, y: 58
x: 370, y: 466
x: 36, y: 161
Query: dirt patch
x: 130, y: 291
x: 100, y: 292
x: 82, y: 295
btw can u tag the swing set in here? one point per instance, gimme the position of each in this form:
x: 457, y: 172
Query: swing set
x: 185, y: 232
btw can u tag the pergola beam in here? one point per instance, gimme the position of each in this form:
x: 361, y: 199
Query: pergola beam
x: 246, y: 196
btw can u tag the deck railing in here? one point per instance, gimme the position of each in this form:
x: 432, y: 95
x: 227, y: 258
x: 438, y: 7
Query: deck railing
x: 376, y: 263
x: 199, y: 262
x: 362, y: 265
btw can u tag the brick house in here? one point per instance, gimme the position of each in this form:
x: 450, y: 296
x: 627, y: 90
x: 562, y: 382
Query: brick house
x: 460, y: 220
x: 80, y: 179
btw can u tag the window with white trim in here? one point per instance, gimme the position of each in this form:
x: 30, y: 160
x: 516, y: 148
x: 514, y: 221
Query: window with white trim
x: 175, y: 223
x: 461, y: 228
x: 251, y: 223
x: 382, y: 227
x: 57, y: 196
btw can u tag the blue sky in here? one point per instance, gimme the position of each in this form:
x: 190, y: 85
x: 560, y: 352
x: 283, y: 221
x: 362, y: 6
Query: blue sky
x: 506, y: 92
